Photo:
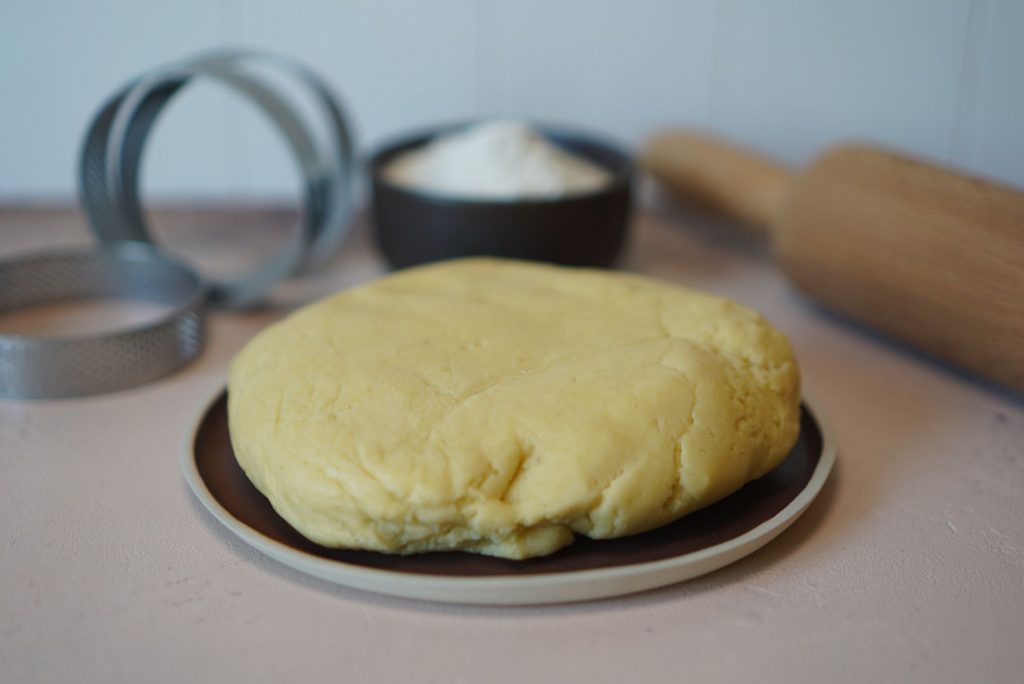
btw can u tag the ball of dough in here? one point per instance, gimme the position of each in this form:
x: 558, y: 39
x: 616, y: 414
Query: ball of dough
x: 502, y: 407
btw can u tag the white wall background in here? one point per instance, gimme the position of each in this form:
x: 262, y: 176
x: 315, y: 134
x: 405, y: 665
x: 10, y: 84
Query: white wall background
x: 942, y: 78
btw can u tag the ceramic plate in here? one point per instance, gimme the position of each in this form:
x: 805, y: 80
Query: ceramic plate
x: 696, y: 544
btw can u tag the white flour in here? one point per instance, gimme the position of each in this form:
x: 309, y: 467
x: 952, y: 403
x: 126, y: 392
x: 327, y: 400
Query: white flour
x: 496, y: 160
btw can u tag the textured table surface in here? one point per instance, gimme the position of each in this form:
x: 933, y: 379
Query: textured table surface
x: 909, y: 567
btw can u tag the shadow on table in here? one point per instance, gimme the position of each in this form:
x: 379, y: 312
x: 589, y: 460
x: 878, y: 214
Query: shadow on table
x: 905, y: 350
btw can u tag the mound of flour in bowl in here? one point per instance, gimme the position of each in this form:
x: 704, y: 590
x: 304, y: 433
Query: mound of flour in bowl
x: 495, y: 160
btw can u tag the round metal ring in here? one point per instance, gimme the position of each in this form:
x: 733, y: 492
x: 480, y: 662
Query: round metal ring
x: 35, y: 367
x: 111, y: 159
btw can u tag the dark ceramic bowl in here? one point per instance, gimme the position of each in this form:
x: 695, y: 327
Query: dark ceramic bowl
x: 414, y: 227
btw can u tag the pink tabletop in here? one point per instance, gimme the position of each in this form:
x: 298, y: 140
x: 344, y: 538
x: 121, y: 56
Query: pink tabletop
x: 909, y: 567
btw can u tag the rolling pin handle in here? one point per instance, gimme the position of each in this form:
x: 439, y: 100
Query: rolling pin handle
x: 718, y: 176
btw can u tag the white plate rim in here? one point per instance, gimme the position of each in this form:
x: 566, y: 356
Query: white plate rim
x: 533, y: 589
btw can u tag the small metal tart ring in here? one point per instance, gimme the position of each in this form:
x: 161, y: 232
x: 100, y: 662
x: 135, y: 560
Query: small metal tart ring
x: 36, y: 367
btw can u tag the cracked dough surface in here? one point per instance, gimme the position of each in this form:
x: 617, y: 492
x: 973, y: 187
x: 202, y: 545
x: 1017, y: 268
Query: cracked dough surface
x: 500, y: 407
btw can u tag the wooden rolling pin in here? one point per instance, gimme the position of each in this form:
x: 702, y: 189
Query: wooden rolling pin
x: 924, y: 254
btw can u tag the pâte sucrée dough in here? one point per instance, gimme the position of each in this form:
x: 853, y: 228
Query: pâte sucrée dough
x: 500, y: 407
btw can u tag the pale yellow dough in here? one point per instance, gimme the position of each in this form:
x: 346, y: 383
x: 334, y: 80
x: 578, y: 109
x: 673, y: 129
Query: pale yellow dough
x: 499, y: 407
